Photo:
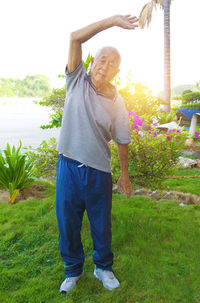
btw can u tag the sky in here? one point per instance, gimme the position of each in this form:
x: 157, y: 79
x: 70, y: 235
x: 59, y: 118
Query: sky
x: 35, y: 39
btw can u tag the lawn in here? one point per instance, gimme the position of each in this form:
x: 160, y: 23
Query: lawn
x: 185, y: 185
x: 156, y: 247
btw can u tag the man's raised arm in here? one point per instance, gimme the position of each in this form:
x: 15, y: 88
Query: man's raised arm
x: 82, y: 35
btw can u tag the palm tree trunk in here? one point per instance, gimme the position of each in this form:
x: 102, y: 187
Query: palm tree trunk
x: 167, y: 66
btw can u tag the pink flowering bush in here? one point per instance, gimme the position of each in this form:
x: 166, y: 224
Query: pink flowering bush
x: 152, y: 155
x: 196, y: 136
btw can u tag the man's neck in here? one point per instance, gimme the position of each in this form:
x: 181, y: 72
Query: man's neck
x: 104, y: 88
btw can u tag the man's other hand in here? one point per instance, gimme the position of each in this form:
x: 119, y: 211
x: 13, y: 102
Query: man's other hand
x: 124, y: 185
x: 126, y: 21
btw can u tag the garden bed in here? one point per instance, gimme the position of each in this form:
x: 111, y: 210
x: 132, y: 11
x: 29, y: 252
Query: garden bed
x: 35, y: 191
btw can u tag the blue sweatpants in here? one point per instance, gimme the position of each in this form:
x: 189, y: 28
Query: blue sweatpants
x: 80, y: 188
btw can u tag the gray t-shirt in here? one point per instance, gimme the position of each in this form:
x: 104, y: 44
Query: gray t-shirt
x: 90, y: 120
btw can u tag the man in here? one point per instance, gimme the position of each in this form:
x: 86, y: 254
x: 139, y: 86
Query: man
x: 93, y: 114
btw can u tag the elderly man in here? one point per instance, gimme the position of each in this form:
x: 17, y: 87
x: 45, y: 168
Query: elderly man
x: 93, y: 114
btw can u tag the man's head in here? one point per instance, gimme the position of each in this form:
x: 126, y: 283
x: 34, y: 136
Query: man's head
x: 105, y: 65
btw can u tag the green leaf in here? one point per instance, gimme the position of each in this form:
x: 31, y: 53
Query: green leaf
x: 11, y: 189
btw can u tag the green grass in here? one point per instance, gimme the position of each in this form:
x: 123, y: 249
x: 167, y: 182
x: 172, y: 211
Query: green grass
x: 156, y: 248
x: 187, y: 185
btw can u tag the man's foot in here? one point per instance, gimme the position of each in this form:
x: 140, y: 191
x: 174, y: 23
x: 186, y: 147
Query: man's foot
x: 69, y: 283
x: 107, y: 278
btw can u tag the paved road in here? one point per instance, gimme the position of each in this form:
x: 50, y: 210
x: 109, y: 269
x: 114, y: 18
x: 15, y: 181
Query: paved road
x: 20, y: 118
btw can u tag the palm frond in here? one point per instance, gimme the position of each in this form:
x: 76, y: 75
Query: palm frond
x: 161, y: 2
x: 146, y: 14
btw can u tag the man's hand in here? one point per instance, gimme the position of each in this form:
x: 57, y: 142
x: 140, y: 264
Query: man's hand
x: 126, y: 22
x: 124, y: 185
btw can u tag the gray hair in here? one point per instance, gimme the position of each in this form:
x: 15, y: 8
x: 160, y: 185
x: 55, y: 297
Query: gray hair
x: 109, y: 47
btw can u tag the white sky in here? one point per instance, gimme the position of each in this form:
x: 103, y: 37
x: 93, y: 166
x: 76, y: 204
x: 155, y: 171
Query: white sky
x: 35, y: 35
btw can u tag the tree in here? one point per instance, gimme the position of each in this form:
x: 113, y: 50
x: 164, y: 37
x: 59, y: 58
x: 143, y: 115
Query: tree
x: 144, y: 20
x: 31, y: 86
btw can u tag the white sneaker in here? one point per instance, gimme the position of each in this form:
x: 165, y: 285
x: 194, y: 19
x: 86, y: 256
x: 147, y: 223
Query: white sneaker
x: 69, y: 283
x: 107, y: 278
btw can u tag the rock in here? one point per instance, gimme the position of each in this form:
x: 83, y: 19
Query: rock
x: 155, y: 195
x: 187, y: 153
x: 198, y: 163
x: 139, y: 192
x: 114, y: 189
x: 196, y: 144
x: 189, y: 142
x: 186, y: 163
x: 181, y: 204
x: 168, y: 196
x: 197, y: 154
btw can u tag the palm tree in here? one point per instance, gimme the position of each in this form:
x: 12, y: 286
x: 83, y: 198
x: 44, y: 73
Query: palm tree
x: 144, y: 20
x: 198, y: 85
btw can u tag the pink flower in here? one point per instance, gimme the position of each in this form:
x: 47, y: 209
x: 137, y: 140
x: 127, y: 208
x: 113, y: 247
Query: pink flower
x: 131, y: 113
x: 196, y: 134
x: 139, y: 136
x: 137, y: 120
x: 150, y: 132
x: 168, y: 138
x: 132, y: 142
x: 154, y: 134
x: 171, y: 130
x: 155, y: 124
x: 178, y: 131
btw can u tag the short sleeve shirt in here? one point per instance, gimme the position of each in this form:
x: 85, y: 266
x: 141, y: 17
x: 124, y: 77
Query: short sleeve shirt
x: 90, y: 120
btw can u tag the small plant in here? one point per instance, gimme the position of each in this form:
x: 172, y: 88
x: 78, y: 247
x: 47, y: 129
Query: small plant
x: 15, y: 171
x: 165, y: 117
x: 196, y: 136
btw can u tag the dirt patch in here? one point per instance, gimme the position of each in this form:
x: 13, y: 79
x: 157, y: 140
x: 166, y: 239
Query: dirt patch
x: 35, y: 191
x: 178, y: 197
x: 185, y: 198
x: 4, y: 196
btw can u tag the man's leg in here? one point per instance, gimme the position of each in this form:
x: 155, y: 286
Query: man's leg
x: 98, y: 206
x: 69, y: 211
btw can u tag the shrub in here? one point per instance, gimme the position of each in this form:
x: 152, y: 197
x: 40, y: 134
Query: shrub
x: 44, y: 158
x: 165, y: 117
x: 56, y: 101
x: 191, y: 105
x: 191, y: 97
x: 152, y: 155
x: 15, y: 170
x: 187, y: 91
x: 140, y: 99
x: 196, y: 136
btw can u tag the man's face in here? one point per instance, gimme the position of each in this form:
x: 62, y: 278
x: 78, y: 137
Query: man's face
x: 105, y: 66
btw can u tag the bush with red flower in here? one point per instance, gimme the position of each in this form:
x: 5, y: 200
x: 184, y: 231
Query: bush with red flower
x: 152, y: 155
